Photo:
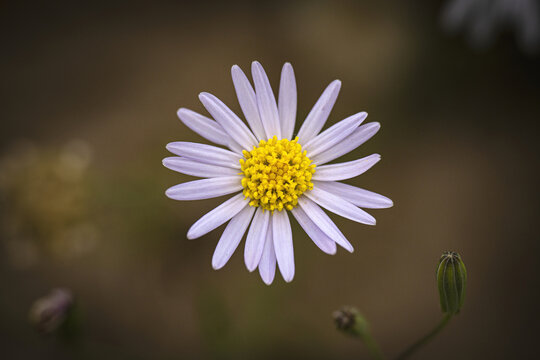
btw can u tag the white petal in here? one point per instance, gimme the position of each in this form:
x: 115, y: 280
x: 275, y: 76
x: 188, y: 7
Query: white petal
x: 357, y: 196
x: 206, y: 127
x: 266, y: 101
x: 217, y: 217
x: 231, y: 237
x: 283, y: 244
x: 195, y: 168
x: 248, y: 101
x: 267, y: 265
x: 334, y: 135
x: 234, y: 146
x: 346, y: 170
x: 319, y: 217
x: 314, y: 232
x: 207, y: 154
x: 351, y: 142
x: 256, y: 238
x: 287, y: 101
x: 231, y: 123
x: 340, y: 206
x: 205, y: 188
x: 319, y: 113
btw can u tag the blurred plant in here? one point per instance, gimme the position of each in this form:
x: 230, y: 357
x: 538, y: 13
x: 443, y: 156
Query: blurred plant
x: 44, y: 199
x: 56, y: 313
x: 483, y: 20
x: 350, y: 321
x: 451, y: 282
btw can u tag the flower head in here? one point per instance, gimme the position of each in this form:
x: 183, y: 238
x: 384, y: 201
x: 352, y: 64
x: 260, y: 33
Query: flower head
x: 350, y: 321
x: 451, y: 281
x: 49, y: 312
x: 272, y: 172
x: 276, y: 173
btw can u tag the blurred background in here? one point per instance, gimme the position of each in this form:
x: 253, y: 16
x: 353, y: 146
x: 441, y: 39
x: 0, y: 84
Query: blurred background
x: 89, y: 95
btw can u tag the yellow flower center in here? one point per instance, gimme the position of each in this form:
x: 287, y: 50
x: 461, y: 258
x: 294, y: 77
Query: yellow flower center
x: 276, y: 173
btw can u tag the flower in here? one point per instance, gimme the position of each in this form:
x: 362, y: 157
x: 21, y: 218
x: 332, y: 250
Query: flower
x: 272, y: 172
x: 49, y: 312
x: 483, y: 19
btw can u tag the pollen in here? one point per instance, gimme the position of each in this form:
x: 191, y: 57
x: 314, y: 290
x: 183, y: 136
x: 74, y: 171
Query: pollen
x: 276, y: 173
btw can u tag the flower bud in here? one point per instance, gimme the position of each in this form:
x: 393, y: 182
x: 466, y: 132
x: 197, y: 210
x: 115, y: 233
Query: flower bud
x: 451, y: 280
x: 350, y: 321
x: 48, y: 313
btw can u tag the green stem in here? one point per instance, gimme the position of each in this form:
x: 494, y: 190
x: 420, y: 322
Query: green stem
x: 414, y: 347
x: 372, y: 346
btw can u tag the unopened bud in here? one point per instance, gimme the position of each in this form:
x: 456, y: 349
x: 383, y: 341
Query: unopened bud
x: 350, y: 321
x: 451, y: 281
x: 48, y: 313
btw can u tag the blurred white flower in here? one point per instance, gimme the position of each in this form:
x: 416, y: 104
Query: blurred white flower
x: 484, y: 19
x: 272, y: 172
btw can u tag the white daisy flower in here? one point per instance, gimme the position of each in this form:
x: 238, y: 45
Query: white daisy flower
x: 483, y: 19
x: 272, y: 172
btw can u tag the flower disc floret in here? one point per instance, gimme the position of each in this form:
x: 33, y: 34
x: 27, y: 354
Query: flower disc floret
x: 276, y: 173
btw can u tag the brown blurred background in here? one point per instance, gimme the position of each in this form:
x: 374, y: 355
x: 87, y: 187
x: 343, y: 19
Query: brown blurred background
x: 89, y: 96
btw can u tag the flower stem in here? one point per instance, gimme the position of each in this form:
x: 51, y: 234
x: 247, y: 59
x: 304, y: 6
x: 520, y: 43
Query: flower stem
x: 414, y: 347
x: 372, y: 346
